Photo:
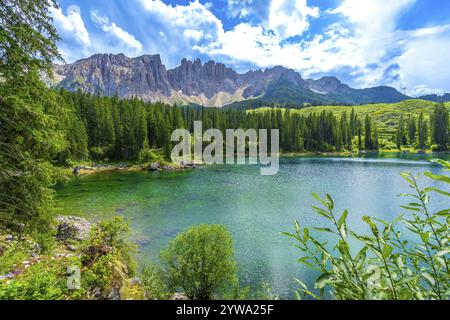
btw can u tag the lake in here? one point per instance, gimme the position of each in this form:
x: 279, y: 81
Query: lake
x: 256, y: 209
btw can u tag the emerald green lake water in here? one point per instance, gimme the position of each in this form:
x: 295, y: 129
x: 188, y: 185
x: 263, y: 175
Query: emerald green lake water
x: 256, y: 209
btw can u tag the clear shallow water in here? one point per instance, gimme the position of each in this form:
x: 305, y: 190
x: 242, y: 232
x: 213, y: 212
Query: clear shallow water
x: 256, y: 209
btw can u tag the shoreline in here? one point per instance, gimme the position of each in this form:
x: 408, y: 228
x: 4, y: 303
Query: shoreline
x: 82, y: 170
x: 106, y: 168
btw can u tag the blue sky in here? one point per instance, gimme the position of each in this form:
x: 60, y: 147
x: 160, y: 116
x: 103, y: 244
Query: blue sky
x: 401, y: 43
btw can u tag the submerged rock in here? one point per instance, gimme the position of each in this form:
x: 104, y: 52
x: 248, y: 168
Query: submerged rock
x: 72, y: 228
x: 142, y: 242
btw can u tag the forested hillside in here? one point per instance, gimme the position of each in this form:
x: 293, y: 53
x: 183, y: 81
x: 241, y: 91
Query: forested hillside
x: 386, y: 116
x: 103, y: 128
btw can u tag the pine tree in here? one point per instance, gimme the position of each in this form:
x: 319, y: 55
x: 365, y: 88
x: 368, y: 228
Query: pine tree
x: 359, y: 130
x: 29, y: 135
x: 422, y: 132
x: 412, y: 130
x: 368, y: 142
x: 376, y: 144
x: 353, y: 123
x: 400, y: 135
x: 440, y: 127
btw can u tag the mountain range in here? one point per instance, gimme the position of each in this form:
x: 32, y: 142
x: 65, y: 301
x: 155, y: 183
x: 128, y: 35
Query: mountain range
x: 211, y: 84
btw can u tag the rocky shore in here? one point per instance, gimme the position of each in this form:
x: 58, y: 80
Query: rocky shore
x: 184, y: 165
x: 152, y: 167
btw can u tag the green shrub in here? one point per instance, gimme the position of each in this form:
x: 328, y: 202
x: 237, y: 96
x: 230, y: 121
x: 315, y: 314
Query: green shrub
x: 99, y: 153
x: 46, y: 280
x: 436, y: 148
x: 107, y: 258
x: 387, y: 145
x: 114, y: 234
x: 106, y: 274
x: 387, y: 266
x: 153, y: 283
x: 151, y: 156
x: 201, y: 261
x: 13, y: 256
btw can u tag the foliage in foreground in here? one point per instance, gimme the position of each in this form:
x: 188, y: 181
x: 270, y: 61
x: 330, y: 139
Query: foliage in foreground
x: 104, y: 260
x: 29, y: 137
x: 390, y: 265
x: 201, y: 261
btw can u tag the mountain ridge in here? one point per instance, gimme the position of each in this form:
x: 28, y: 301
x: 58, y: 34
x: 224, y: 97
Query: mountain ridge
x: 209, y: 84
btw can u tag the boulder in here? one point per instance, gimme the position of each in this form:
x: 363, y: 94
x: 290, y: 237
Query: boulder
x: 188, y: 165
x: 153, y: 167
x: 72, y: 228
x: 141, y: 242
x: 179, y: 297
x: 71, y: 248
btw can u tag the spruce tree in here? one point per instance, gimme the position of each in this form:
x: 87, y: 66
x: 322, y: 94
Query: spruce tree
x: 400, y: 135
x: 412, y: 130
x: 368, y: 138
x: 29, y: 137
x: 422, y: 132
x: 440, y: 127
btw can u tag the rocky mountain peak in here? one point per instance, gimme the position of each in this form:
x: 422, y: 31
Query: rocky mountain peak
x: 194, y: 78
x: 209, y: 84
x: 327, y: 85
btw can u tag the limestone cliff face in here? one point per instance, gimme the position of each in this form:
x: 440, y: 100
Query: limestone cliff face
x: 194, y: 79
x: 211, y: 84
x: 146, y: 77
x: 116, y: 74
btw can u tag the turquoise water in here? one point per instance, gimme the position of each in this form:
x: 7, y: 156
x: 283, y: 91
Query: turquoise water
x: 256, y: 209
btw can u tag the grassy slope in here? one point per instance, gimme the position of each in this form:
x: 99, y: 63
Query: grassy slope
x: 385, y: 115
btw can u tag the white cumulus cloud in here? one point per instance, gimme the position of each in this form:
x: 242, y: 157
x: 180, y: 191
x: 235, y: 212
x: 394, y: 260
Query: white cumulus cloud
x: 425, y: 64
x: 116, y: 33
x: 239, y: 8
x: 77, y: 42
x: 71, y: 25
x: 184, y: 28
x: 362, y: 42
x: 289, y: 18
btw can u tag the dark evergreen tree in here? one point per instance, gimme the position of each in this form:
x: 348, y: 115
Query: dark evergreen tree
x: 412, y: 130
x: 368, y: 137
x: 400, y: 135
x: 29, y: 135
x: 440, y: 128
x: 422, y: 132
